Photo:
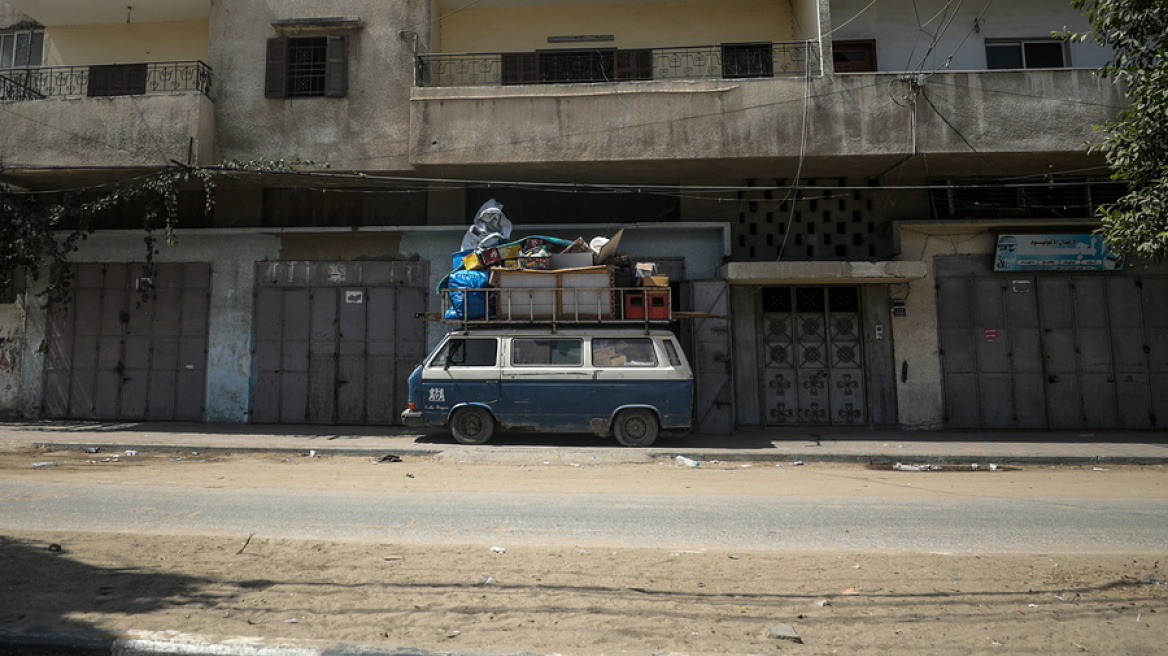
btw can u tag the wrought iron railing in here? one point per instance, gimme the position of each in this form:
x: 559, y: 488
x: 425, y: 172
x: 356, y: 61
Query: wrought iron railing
x: 105, y: 80
x: 747, y: 60
x: 11, y: 87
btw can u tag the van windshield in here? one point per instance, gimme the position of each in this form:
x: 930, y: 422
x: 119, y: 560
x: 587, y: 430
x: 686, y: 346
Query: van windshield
x: 623, y: 352
x: 461, y: 352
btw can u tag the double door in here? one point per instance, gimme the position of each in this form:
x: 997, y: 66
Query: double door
x: 813, y: 360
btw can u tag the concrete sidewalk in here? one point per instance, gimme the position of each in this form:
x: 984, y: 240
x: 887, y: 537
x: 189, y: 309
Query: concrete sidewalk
x: 775, y: 445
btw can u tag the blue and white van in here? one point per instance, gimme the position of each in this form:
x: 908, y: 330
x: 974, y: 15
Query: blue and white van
x: 629, y: 383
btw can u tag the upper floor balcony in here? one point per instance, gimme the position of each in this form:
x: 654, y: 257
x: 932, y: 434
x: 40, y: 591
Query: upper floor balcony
x: 107, y: 115
x: 602, y: 65
x: 105, y: 80
x: 720, y: 119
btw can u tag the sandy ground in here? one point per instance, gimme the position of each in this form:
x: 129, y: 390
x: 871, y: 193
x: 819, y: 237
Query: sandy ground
x: 572, y: 600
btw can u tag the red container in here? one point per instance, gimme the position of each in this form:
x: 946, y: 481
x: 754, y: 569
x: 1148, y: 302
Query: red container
x: 649, y: 304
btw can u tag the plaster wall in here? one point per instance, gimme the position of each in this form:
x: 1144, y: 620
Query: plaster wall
x: 904, y: 30
x: 650, y: 25
x: 916, y: 346
x: 146, y: 130
x: 366, y: 130
x: 75, y: 45
x: 9, y: 16
x: 996, y: 112
x: 11, y: 354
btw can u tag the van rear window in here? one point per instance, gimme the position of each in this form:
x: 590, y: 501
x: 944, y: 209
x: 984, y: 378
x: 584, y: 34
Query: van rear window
x: 547, y: 351
x: 623, y: 352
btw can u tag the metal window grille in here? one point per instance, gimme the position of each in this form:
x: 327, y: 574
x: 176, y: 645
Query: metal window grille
x: 307, y: 66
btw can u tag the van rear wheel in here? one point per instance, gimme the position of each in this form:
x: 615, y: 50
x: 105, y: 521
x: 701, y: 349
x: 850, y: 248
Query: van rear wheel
x: 635, y: 427
x: 472, y: 425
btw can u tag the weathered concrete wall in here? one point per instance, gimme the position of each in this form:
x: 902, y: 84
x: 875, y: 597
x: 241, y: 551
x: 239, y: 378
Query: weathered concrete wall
x: 11, y: 355
x: 9, y: 16
x: 901, y: 30
x: 639, y: 25
x: 367, y: 130
x: 916, y: 346
x: 106, y: 132
x: 856, y: 115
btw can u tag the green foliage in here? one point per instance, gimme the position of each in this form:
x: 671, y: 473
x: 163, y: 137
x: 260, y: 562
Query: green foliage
x: 39, y: 235
x: 1136, y: 146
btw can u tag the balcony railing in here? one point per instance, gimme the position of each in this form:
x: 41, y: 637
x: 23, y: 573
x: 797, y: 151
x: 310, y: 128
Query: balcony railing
x: 105, y: 80
x: 726, y: 61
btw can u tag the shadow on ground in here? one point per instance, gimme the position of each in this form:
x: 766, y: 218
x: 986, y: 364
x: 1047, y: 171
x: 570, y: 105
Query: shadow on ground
x: 47, y: 589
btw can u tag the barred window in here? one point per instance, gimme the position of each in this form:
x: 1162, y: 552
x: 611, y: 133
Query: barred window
x: 299, y: 67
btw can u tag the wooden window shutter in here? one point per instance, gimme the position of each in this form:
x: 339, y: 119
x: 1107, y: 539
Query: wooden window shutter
x: 336, y: 74
x: 99, y: 81
x: 276, y: 74
x: 520, y: 68
x: 634, y: 65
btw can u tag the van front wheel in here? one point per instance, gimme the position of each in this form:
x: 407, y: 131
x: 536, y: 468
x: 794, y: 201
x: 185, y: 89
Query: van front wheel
x: 472, y: 425
x: 635, y: 427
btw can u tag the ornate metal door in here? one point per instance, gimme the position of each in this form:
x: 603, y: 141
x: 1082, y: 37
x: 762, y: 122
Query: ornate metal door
x: 813, y: 372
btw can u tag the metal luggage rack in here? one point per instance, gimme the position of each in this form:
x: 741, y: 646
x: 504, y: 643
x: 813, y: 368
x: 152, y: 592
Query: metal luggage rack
x: 561, y: 305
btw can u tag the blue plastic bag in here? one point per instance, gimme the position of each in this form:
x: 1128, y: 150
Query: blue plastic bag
x: 465, y: 304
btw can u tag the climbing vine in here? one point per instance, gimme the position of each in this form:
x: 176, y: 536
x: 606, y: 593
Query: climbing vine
x: 39, y: 232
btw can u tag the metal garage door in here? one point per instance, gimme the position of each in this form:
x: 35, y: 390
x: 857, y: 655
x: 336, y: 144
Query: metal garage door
x: 1050, y: 350
x: 115, y: 352
x: 335, y: 342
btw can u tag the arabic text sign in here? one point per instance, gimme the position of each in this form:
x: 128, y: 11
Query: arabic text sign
x: 1055, y: 253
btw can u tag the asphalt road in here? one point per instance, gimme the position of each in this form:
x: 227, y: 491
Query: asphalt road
x: 673, y: 521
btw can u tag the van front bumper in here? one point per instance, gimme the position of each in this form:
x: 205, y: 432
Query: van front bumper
x: 413, y: 419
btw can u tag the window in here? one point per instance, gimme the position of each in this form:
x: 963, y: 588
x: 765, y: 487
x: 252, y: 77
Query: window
x: 1038, y: 53
x: 671, y: 351
x: 741, y: 60
x: 467, y: 353
x: 307, y: 66
x: 117, y: 80
x: 623, y: 352
x: 534, y: 352
x: 21, y: 48
x: 853, y: 56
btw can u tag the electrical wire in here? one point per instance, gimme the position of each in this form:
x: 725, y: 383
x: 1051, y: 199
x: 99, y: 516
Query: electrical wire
x: 793, y: 195
x: 854, y: 17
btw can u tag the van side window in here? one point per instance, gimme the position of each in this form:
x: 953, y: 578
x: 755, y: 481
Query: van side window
x: 671, y: 351
x: 626, y: 352
x: 467, y: 353
x: 557, y: 351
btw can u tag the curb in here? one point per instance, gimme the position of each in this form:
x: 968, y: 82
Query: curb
x: 626, y: 455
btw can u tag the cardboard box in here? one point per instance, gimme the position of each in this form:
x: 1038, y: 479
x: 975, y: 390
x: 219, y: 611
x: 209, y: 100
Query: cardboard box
x: 473, y: 261
x: 654, y: 281
x: 508, y: 251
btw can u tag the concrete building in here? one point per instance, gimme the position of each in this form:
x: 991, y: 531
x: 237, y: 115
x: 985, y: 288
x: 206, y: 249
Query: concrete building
x: 836, y: 176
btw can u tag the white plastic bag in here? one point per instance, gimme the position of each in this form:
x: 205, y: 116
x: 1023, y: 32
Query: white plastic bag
x: 490, y: 227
